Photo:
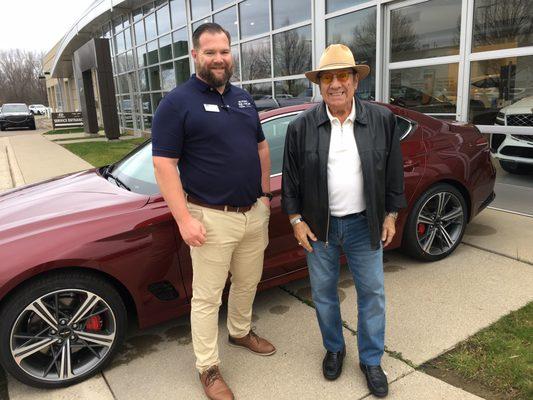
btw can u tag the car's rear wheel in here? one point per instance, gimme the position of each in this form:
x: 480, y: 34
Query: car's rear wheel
x: 515, y: 168
x: 436, y: 224
x: 32, y: 126
x: 61, y: 329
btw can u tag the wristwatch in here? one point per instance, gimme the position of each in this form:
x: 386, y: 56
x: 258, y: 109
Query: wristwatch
x: 267, y: 194
x: 393, y: 214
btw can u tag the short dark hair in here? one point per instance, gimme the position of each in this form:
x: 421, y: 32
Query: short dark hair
x: 210, y: 27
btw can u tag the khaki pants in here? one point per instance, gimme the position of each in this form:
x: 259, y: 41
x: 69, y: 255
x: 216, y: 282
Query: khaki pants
x: 235, y: 242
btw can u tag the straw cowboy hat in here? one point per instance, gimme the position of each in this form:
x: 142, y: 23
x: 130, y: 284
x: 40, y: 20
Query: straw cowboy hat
x: 337, y: 56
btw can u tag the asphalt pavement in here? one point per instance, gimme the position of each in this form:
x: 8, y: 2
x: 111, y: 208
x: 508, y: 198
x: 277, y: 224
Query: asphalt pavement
x: 430, y: 308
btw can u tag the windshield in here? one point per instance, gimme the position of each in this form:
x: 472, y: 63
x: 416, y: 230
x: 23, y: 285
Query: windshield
x: 137, y: 171
x: 7, y: 108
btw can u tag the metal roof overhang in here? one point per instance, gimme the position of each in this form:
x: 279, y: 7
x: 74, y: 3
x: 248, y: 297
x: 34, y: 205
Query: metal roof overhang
x: 86, y: 27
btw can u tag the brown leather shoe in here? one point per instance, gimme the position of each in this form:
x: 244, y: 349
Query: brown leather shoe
x: 214, y: 386
x: 254, y: 343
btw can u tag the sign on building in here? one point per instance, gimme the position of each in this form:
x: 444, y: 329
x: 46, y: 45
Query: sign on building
x: 67, y: 119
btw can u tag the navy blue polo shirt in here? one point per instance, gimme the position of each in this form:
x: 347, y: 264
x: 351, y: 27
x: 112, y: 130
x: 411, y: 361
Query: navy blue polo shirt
x: 215, y: 137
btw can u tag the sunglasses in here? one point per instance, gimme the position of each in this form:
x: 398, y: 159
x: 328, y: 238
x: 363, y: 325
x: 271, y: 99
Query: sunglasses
x: 327, y: 77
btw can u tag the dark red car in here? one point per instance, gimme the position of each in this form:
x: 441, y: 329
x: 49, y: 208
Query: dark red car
x: 82, y: 252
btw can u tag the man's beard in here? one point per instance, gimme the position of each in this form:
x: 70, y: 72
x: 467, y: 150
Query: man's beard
x: 207, y: 75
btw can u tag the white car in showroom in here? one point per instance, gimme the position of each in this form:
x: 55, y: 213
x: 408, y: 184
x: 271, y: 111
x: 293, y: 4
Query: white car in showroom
x: 515, y: 151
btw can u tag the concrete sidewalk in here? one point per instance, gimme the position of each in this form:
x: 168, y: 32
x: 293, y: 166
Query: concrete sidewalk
x: 430, y: 308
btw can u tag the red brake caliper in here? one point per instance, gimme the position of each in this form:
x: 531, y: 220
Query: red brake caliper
x: 421, y: 228
x: 94, y: 324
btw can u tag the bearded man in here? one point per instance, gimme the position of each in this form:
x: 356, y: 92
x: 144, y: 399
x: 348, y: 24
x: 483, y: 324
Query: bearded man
x: 220, y: 198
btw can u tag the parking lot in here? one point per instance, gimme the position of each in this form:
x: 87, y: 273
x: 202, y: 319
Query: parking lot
x: 430, y: 308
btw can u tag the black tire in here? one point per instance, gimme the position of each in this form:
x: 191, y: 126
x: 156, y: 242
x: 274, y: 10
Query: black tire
x: 81, y: 356
x: 428, y: 236
x: 515, y: 168
x: 2, y: 128
x: 32, y: 126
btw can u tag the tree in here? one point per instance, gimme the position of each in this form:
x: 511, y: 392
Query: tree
x: 19, y: 77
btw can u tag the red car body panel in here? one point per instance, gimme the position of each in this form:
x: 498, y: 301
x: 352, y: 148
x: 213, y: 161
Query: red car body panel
x: 85, y: 221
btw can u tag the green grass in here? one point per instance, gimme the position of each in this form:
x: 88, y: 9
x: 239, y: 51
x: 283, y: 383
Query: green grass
x: 65, y: 130
x: 103, y: 153
x: 499, y: 357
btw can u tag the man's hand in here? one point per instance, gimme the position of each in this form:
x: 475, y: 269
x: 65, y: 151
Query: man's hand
x: 192, y: 231
x: 389, y: 230
x: 302, y: 233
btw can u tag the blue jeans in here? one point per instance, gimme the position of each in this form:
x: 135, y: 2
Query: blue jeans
x: 350, y: 234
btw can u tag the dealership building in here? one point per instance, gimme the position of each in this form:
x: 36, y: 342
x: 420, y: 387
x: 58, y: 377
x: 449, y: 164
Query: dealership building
x: 469, y: 60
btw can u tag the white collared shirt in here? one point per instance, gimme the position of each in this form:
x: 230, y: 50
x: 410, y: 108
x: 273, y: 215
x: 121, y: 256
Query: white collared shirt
x: 345, y: 176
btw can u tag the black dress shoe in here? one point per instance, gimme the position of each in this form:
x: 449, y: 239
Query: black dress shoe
x: 332, y: 364
x: 375, y: 379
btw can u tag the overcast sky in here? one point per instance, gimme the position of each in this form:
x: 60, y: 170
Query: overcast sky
x: 37, y: 24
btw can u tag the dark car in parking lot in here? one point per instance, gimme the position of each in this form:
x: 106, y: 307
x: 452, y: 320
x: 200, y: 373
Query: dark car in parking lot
x: 82, y: 253
x: 16, y: 115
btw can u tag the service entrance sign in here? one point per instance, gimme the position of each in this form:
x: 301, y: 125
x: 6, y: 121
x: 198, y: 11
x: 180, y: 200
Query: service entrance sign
x: 67, y: 120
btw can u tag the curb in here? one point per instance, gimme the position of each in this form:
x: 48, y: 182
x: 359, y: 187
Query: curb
x: 16, y: 174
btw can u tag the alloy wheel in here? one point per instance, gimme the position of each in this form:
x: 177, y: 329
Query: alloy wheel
x: 440, y: 223
x: 63, y: 335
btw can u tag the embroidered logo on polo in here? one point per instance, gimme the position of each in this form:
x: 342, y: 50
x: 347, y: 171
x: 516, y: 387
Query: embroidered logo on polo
x: 244, y: 104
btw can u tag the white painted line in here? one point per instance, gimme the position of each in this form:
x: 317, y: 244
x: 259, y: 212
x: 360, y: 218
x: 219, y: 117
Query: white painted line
x: 511, y: 212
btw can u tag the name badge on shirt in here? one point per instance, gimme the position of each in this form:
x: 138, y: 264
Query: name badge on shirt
x: 211, y: 108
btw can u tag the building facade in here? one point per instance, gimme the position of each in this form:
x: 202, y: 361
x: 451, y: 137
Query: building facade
x: 455, y: 59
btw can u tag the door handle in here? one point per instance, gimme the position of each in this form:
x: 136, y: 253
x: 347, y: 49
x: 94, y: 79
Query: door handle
x: 410, y: 165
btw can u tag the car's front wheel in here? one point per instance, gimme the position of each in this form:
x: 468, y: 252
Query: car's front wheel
x: 61, y: 329
x: 436, y: 224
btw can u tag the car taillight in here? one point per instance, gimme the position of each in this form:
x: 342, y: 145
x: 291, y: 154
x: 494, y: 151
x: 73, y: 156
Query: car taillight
x: 481, y: 142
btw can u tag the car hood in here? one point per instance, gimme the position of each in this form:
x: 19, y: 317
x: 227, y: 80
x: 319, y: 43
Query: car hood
x: 66, y: 200
x: 523, y: 106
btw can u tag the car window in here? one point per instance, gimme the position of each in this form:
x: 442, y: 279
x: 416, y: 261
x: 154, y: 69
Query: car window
x: 14, y: 108
x: 275, y: 130
x: 404, y: 127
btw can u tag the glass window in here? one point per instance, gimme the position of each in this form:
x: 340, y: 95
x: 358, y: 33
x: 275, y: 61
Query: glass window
x: 155, y: 82
x: 143, y: 79
x: 106, y: 30
x: 198, y: 23
x: 156, y: 99
x: 357, y: 30
x: 147, y: 8
x: 147, y: 104
x: 153, y: 58
x: 165, y: 48
x: 256, y: 59
x: 122, y: 63
x: 292, y: 51
x: 180, y: 44
x: 117, y: 24
x: 129, y: 60
x: 120, y: 46
x: 293, y: 91
x: 151, y: 28
x: 431, y: 89
x: 262, y: 95
x: 177, y: 13
x: 501, y: 91
x: 137, y: 14
x: 142, y: 60
x: 285, y: 13
x: 502, y: 24
x: 147, y: 121
x: 123, y: 84
x: 219, y: 3
x: 275, y: 131
x: 182, y: 70
x: 236, y: 67
x: 163, y: 20
x: 127, y: 38
x: 125, y: 104
x: 199, y: 8
x: 228, y: 20
x: 139, y: 32
x: 334, y: 5
x: 125, y: 21
x: 168, y: 78
x: 430, y: 29
x: 253, y: 17
x: 159, y: 3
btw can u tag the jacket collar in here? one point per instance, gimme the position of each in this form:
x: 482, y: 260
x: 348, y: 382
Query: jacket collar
x: 360, y: 112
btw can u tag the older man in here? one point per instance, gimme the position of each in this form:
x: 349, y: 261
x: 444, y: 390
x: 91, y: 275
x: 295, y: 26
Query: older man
x: 342, y: 189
